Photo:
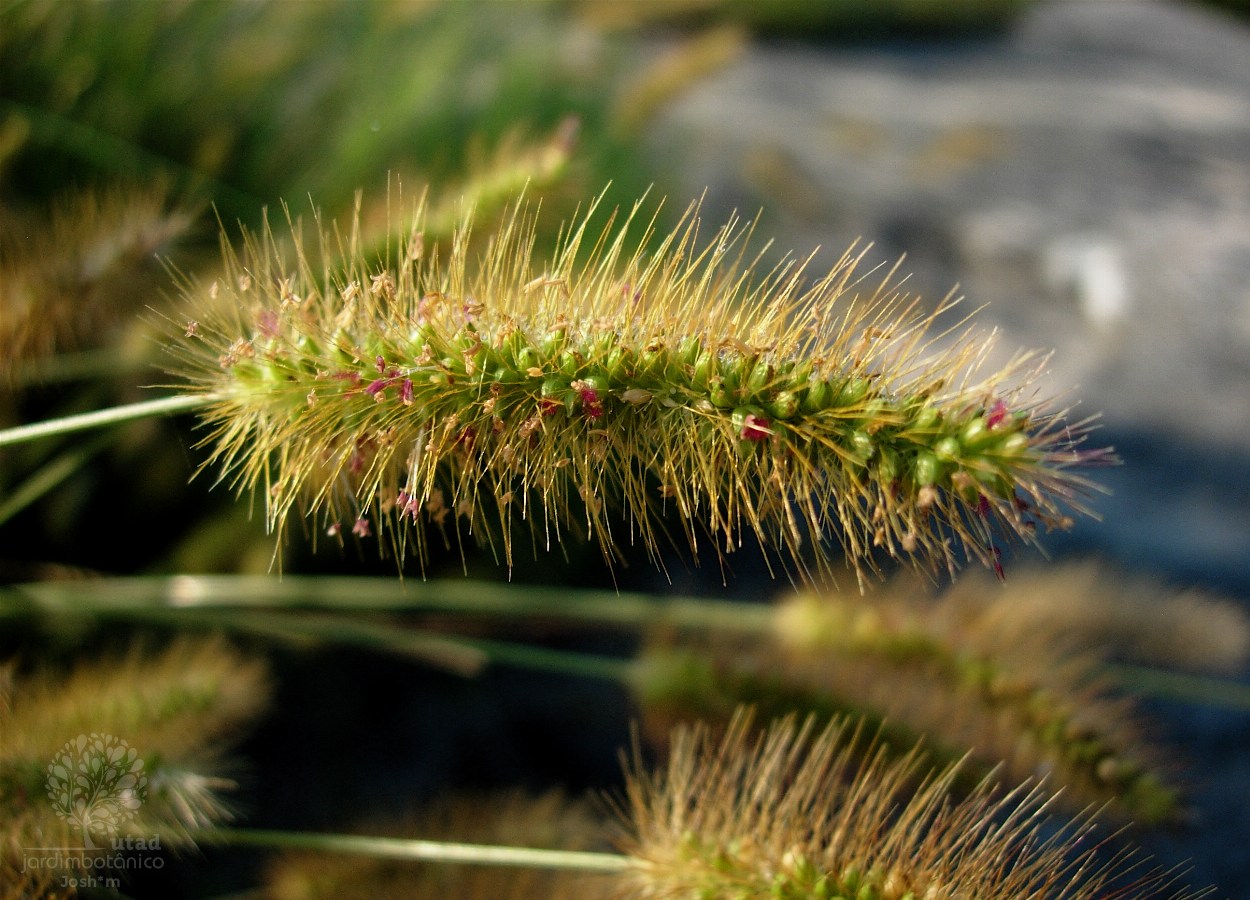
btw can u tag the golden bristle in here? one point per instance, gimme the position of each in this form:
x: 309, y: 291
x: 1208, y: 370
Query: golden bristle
x: 1111, y: 614
x: 954, y: 668
x: 943, y: 669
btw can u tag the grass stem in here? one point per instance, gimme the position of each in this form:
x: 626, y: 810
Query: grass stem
x: 239, y: 602
x: 433, y: 851
x: 102, y: 417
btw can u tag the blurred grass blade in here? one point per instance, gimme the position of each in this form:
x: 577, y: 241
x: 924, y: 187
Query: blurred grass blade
x: 49, y: 476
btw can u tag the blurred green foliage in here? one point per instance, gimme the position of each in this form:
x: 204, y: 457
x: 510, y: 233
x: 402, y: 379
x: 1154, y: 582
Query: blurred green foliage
x: 828, y: 20
x: 243, y: 104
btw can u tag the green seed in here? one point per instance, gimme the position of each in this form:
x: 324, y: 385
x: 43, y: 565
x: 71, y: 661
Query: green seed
x: 525, y: 359
x: 817, y: 396
x: 597, y: 383
x: 863, y: 446
x: 784, y: 405
x: 652, y: 362
x: 731, y: 376
x: 974, y: 434
x: 465, y: 340
x: 852, y: 391
x: 876, y: 414
x: 604, y: 344
x: 617, y: 364
x: 739, y: 416
x: 796, y: 373
x: 947, y: 448
x: 1014, y: 444
x: 555, y: 388
x: 718, y: 396
x: 704, y: 369
x: 851, y: 877
x: 554, y: 342
x: 419, y: 338
x: 759, y: 378
x: 689, y: 349
x: 887, y: 464
x: 571, y: 363
x: 508, y: 349
x: 925, y: 420
x: 928, y: 469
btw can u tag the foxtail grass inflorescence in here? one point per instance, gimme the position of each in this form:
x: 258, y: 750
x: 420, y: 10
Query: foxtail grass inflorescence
x: 952, y: 669
x: 1111, y: 614
x: 73, y: 273
x: 160, y: 722
x: 798, y: 810
x: 630, y: 375
x: 790, y: 810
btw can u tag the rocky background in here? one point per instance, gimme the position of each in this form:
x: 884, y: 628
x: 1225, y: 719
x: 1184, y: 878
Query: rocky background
x: 1085, y: 176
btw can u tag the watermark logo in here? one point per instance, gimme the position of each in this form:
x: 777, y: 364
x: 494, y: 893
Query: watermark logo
x: 97, y: 783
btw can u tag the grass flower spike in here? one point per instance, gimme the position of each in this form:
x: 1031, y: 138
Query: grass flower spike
x: 71, y: 275
x: 802, y: 812
x: 598, y: 390
x: 952, y: 669
x: 145, y: 740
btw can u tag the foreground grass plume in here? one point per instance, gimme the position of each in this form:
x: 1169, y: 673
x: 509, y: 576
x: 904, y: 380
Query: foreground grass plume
x: 593, y: 392
x: 800, y: 812
x: 166, y: 719
x: 787, y: 811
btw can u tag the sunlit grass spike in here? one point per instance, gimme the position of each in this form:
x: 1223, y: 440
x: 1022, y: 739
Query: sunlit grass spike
x: 610, y: 389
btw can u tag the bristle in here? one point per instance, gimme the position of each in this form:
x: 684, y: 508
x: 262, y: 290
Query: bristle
x: 18, y: 883
x: 1112, y: 614
x: 802, y: 812
x: 518, y: 164
x: 196, y: 691
x: 592, y: 394
x: 678, y: 69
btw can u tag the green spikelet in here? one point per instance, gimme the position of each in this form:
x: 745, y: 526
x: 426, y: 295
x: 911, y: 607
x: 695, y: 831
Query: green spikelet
x: 592, y: 393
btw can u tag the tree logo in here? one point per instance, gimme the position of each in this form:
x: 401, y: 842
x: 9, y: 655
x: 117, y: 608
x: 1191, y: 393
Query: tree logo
x: 97, y: 782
